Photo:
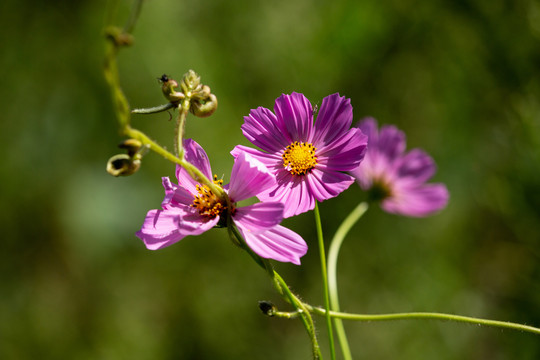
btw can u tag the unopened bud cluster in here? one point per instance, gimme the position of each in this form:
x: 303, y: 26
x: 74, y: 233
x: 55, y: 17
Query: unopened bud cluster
x: 190, y: 95
x: 202, y: 102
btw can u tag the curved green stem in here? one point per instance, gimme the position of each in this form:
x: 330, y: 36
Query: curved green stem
x: 304, y: 315
x: 194, y: 172
x: 325, y: 281
x: 133, y: 17
x: 414, y: 316
x: 123, y: 114
x: 333, y: 252
x: 427, y: 316
x: 301, y: 309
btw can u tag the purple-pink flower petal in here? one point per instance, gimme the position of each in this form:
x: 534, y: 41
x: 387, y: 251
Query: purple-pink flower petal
x: 278, y: 243
x: 264, y: 130
x: 270, y: 160
x: 328, y: 184
x: 296, y: 114
x: 292, y: 191
x: 333, y: 119
x: 195, y: 155
x: 259, y: 216
x: 391, y: 142
x: 417, y: 201
x: 417, y: 165
x: 162, y: 228
x: 345, y: 153
x: 249, y: 177
x: 175, y: 196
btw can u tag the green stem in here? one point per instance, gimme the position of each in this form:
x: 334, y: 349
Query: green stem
x: 333, y: 252
x: 110, y: 70
x: 134, y: 16
x: 283, y: 289
x: 122, y: 109
x: 193, y: 171
x: 414, y: 316
x: 426, y: 316
x: 155, y: 109
x: 305, y: 315
x: 183, y: 110
x: 325, y: 281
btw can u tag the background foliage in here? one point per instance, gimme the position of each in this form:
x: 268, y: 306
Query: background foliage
x: 461, y: 78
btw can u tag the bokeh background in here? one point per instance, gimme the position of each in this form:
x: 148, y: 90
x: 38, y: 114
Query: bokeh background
x: 461, y: 78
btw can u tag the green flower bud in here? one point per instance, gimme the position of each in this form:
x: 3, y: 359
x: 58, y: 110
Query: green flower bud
x: 190, y: 82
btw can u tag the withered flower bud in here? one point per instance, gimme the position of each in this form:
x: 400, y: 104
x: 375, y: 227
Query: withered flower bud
x: 168, y: 87
x: 204, y: 108
x: 123, y: 165
x: 267, y: 307
x: 131, y: 145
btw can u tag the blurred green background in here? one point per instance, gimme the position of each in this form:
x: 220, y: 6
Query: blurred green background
x: 461, y: 78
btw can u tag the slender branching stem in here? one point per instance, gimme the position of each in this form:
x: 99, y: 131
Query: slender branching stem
x: 333, y: 253
x: 324, y: 274
x: 426, y: 316
x: 301, y: 309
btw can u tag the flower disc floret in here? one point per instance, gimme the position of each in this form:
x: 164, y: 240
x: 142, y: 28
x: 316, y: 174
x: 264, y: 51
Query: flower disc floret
x: 299, y: 158
x: 206, y: 202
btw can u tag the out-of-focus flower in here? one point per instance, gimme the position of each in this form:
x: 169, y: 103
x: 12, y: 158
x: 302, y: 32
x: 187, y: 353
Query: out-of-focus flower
x: 309, y: 159
x: 191, y: 208
x: 397, y: 178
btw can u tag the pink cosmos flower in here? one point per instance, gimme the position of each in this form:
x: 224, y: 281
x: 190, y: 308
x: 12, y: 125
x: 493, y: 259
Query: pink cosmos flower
x: 398, y: 178
x: 190, y: 208
x: 308, y: 159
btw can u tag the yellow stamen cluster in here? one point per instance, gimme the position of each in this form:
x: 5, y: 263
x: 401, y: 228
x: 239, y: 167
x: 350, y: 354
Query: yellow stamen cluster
x: 207, y: 202
x: 299, y: 158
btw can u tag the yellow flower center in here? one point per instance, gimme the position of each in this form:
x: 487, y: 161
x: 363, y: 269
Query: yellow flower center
x: 207, y: 203
x: 299, y: 158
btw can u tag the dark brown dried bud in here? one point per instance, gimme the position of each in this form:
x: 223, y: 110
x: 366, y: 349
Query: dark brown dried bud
x: 267, y: 307
x: 123, y: 165
x: 131, y: 145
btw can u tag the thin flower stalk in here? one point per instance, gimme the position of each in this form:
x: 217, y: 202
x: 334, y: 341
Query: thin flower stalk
x: 324, y: 275
x: 333, y: 253
x: 427, y: 316
x: 301, y: 309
